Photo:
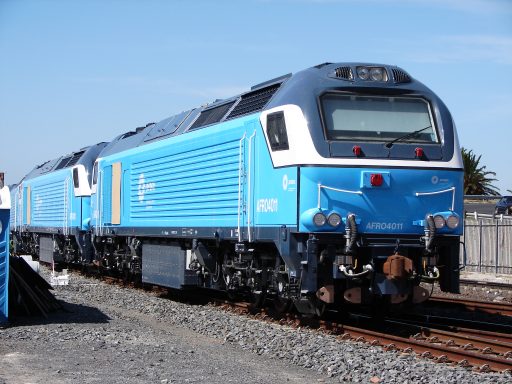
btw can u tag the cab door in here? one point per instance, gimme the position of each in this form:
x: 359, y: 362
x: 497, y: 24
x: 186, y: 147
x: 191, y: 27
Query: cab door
x: 111, y: 195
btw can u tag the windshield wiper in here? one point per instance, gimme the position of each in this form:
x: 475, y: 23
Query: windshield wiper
x: 412, y: 134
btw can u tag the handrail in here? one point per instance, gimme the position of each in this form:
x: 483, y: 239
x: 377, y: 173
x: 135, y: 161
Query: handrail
x: 452, y: 189
x: 240, y: 162
x: 249, y: 195
x: 15, y: 209
x: 320, y: 187
x: 99, y: 202
x: 477, y: 215
x: 66, y: 207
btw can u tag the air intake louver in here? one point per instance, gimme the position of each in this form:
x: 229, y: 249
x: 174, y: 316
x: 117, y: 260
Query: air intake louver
x: 43, y: 164
x: 63, y: 163
x: 344, y: 73
x: 321, y: 65
x: 211, y: 116
x: 400, y: 76
x: 69, y: 161
x: 253, y: 101
x: 74, y: 159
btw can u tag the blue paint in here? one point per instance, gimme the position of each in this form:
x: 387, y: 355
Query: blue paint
x: 208, y: 177
x: 4, y: 258
x: 53, y: 203
x: 395, y: 209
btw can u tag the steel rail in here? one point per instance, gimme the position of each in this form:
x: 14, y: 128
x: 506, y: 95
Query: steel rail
x: 504, y: 309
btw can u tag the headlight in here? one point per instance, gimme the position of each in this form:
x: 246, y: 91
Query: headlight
x: 334, y: 219
x: 372, y: 73
x: 363, y: 73
x: 452, y: 222
x: 319, y: 219
x: 439, y: 221
x: 377, y: 74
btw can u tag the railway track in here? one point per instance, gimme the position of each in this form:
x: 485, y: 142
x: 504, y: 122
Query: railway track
x: 482, y: 351
x: 481, y: 354
x: 504, y: 309
x: 486, y: 284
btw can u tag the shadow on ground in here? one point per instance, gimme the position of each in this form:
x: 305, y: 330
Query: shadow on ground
x: 68, y: 313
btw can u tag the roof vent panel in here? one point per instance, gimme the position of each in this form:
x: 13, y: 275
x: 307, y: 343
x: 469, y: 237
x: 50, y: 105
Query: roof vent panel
x: 253, y: 101
x: 400, y: 76
x: 74, y: 159
x: 69, y: 160
x: 344, y: 73
x: 212, y: 115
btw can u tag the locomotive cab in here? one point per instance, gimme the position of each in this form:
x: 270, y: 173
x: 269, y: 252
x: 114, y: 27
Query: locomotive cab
x: 380, y: 192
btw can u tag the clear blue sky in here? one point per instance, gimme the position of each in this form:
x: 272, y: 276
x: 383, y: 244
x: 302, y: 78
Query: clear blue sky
x: 73, y: 73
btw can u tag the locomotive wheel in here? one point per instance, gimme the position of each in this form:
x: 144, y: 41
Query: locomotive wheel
x: 281, y: 304
x: 320, y: 308
x: 258, y: 299
x: 232, y: 295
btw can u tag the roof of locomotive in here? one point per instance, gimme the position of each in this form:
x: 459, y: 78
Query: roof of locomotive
x: 287, y: 89
x: 218, y: 111
x: 85, y: 156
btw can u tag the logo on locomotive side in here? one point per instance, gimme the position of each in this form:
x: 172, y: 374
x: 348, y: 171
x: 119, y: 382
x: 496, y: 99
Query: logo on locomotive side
x: 436, y: 180
x: 38, y: 203
x: 288, y: 184
x: 144, y: 187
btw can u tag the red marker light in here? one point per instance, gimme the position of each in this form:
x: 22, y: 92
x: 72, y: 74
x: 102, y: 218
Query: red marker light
x: 419, y: 152
x: 376, y: 179
x: 357, y: 150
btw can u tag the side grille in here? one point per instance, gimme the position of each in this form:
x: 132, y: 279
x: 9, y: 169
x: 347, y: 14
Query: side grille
x: 344, y: 73
x: 212, y: 115
x: 400, y: 76
x: 253, y: 101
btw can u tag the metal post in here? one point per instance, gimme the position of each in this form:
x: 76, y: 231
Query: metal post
x: 497, y: 248
x: 463, y: 249
x: 480, y: 246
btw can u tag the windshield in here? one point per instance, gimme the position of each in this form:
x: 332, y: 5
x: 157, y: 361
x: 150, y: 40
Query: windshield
x: 377, y: 118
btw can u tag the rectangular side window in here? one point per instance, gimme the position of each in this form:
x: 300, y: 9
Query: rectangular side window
x: 76, y: 184
x: 95, y: 174
x: 276, y: 131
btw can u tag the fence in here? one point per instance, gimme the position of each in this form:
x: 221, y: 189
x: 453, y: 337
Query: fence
x: 488, y: 243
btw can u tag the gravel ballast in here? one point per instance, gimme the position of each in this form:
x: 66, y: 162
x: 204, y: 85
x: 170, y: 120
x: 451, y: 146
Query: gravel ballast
x: 111, y: 334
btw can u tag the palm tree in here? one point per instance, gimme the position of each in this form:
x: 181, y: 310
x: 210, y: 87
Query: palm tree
x: 476, y: 178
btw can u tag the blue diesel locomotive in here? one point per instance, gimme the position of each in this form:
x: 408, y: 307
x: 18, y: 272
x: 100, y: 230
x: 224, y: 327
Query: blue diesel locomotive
x: 50, y: 212
x: 339, y: 184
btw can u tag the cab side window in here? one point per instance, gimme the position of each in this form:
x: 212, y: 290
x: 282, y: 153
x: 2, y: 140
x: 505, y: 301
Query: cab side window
x: 276, y: 131
x: 95, y: 174
x: 76, y: 183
